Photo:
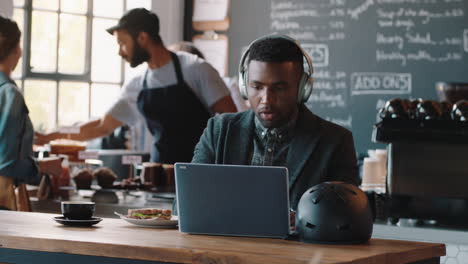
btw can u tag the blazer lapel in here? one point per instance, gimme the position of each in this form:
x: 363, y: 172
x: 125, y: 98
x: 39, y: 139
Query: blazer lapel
x: 240, y: 140
x: 306, y: 136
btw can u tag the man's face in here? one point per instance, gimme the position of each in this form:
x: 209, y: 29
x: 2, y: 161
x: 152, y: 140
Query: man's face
x: 272, y: 91
x: 130, y: 50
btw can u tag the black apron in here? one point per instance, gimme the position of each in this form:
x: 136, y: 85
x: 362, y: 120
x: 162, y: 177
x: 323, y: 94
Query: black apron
x: 175, y: 117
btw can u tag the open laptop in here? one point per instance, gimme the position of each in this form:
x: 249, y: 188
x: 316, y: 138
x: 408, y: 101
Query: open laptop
x: 232, y: 200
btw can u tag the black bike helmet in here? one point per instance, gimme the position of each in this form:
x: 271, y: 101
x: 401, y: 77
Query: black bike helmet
x: 334, y: 213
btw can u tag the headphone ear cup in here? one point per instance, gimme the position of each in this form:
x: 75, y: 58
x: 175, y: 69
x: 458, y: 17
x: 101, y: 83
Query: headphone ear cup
x: 242, y: 85
x: 305, y: 88
x: 300, y: 88
x: 308, y: 87
x: 243, y: 78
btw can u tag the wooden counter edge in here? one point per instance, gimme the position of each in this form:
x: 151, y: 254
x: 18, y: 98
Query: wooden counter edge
x: 140, y: 252
x: 415, y: 255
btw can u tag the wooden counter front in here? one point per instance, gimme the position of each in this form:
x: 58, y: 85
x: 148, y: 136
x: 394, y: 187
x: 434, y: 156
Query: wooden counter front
x: 118, y: 239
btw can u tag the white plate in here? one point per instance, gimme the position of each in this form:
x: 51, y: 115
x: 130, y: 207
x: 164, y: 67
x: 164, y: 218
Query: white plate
x: 155, y: 223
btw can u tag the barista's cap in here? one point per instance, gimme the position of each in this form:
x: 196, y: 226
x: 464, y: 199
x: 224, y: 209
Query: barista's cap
x: 137, y: 20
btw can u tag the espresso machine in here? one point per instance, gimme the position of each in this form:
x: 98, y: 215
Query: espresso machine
x: 427, y: 166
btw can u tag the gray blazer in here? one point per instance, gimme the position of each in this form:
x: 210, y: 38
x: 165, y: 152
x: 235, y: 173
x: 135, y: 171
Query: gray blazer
x: 320, y: 150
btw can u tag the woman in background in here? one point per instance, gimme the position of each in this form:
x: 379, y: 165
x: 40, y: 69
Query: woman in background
x: 17, y: 164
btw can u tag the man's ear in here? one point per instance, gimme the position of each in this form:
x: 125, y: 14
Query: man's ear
x: 143, y: 38
x: 18, y: 49
x: 16, y: 52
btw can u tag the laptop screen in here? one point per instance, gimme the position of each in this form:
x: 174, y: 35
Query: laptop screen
x: 232, y: 200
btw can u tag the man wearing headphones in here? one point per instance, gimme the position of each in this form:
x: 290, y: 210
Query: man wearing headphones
x: 279, y: 130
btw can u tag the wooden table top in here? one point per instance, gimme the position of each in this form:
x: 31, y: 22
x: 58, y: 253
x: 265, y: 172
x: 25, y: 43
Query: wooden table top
x: 119, y: 239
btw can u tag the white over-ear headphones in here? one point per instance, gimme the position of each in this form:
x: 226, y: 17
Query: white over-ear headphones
x: 306, y: 83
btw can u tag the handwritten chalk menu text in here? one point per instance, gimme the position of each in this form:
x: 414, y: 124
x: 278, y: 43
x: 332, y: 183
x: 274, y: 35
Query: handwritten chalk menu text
x: 380, y: 83
x: 364, y: 52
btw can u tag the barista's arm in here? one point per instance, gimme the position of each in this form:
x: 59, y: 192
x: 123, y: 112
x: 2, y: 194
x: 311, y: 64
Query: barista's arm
x: 210, y: 88
x: 224, y: 105
x: 89, y: 130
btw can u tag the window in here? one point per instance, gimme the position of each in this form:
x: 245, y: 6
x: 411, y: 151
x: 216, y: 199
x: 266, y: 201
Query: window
x: 70, y: 70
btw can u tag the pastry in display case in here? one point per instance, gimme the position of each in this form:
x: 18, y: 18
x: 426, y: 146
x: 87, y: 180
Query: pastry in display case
x: 69, y: 147
x: 105, y: 177
x: 83, y: 178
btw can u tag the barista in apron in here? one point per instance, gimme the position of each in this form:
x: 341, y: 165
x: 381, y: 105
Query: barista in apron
x: 175, y: 117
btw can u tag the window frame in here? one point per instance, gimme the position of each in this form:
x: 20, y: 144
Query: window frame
x: 27, y: 69
x: 28, y: 74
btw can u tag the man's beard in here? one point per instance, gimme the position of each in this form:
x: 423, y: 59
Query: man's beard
x: 139, y: 56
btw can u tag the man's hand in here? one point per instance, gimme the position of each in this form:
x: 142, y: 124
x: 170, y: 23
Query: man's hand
x: 51, y: 166
x: 41, y: 139
x: 89, y: 130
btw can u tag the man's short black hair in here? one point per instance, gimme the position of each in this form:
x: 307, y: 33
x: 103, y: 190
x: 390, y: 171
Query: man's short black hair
x: 10, y: 36
x: 275, y: 50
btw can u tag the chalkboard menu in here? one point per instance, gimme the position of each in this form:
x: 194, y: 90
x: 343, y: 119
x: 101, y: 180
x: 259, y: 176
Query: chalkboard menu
x: 364, y: 52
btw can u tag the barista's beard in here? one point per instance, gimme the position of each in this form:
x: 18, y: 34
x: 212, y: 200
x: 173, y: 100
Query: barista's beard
x: 140, y: 55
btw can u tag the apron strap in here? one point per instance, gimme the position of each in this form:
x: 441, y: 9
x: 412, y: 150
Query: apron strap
x: 175, y: 59
x: 143, y: 82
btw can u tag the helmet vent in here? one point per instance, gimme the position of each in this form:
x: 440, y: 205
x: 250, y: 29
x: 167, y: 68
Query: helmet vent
x: 317, y: 199
x: 350, y: 191
x: 309, y: 225
x: 341, y: 197
x: 343, y: 227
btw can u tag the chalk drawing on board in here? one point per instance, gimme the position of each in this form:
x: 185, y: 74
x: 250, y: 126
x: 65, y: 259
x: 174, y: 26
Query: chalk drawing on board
x: 319, y: 53
x: 330, y: 99
x: 380, y: 83
x: 356, y: 12
x: 465, y: 39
